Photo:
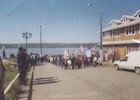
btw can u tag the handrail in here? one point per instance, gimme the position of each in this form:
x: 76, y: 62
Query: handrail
x: 11, y: 83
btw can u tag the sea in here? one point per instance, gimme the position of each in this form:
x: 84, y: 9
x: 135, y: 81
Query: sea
x: 52, y: 51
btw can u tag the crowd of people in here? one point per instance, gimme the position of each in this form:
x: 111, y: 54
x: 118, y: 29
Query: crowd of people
x: 73, y: 61
x: 108, y: 56
x: 79, y: 61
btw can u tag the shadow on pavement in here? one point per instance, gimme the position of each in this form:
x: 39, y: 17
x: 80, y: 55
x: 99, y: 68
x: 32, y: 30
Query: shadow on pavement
x: 26, y: 94
x: 36, y: 81
x: 31, y: 87
x: 45, y: 80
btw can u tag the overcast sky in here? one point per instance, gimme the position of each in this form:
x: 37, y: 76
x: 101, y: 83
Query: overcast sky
x: 63, y: 21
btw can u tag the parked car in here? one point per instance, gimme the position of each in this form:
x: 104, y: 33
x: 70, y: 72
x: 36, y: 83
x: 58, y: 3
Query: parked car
x: 131, y: 62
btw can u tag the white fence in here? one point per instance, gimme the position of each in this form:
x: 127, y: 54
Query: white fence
x: 11, y: 83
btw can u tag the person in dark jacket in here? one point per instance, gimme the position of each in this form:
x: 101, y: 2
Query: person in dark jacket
x: 2, y: 74
x: 113, y: 57
x: 73, y: 60
x: 21, y: 61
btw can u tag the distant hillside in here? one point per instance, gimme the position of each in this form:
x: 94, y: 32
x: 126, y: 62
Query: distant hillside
x: 49, y: 45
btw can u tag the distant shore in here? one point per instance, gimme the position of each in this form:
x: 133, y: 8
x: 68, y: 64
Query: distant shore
x: 48, y: 45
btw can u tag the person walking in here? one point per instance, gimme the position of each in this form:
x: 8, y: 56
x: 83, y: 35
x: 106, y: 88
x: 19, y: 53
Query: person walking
x: 113, y: 57
x: 73, y: 61
x: 85, y: 59
x: 3, y: 52
x: 2, y: 74
x: 33, y: 61
x: 79, y: 61
x: 95, y: 61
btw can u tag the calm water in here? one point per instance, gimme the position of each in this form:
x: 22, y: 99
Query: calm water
x: 44, y: 50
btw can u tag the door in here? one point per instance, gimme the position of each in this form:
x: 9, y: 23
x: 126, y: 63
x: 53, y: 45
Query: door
x: 121, y: 52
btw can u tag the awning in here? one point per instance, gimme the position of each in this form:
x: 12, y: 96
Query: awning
x: 122, y: 42
x: 136, y: 41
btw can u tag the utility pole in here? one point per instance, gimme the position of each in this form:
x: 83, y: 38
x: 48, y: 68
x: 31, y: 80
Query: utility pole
x: 101, y: 53
x: 41, y: 39
x: 101, y: 33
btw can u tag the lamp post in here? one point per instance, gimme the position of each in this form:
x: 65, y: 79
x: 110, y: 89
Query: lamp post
x: 26, y: 36
x: 41, y: 39
x: 101, y: 53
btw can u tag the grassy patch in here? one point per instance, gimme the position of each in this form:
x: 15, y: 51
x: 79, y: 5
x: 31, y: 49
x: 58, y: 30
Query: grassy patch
x: 11, y: 72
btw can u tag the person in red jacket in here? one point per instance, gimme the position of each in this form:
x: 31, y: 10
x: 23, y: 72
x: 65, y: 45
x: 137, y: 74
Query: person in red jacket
x: 79, y: 61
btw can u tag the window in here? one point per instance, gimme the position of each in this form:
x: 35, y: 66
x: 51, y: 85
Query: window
x: 115, y: 33
x: 130, y: 30
x: 125, y: 58
x: 139, y: 28
x: 109, y: 49
x: 127, y: 19
x: 114, y: 23
x: 124, y: 20
x: 106, y: 35
x: 132, y: 48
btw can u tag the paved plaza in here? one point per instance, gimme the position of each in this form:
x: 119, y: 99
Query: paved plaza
x: 102, y: 83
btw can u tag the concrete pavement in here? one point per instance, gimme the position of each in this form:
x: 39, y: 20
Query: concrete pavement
x: 103, y: 83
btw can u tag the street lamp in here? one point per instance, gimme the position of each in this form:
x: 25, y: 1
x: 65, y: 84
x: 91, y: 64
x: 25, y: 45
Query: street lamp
x: 41, y: 39
x: 26, y: 36
x: 101, y: 53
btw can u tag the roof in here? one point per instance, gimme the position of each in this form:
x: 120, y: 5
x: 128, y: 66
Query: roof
x: 137, y: 21
x: 126, y: 16
x: 114, y: 20
x: 136, y: 13
x: 122, y: 42
x: 133, y: 22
